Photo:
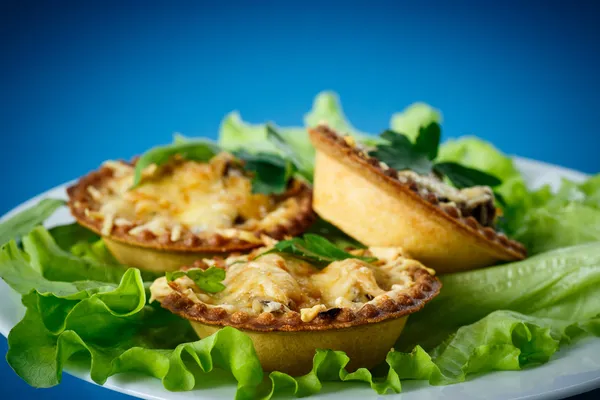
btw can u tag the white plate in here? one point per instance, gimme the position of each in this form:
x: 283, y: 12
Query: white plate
x: 574, y: 369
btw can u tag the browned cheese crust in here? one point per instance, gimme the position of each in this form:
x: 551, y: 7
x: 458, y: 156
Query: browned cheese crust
x: 425, y: 288
x: 81, y: 202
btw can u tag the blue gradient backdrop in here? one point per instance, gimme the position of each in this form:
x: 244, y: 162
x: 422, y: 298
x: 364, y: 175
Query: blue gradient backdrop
x: 81, y: 82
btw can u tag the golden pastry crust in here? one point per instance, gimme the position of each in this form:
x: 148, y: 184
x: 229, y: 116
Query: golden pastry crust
x: 426, y: 219
x: 419, y: 287
x: 290, y: 214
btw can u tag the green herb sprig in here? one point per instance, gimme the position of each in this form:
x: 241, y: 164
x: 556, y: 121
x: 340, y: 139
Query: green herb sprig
x: 400, y: 153
x: 271, y: 172
x: 208, y: 280
x: 193, y: 150
x: 314, y: 248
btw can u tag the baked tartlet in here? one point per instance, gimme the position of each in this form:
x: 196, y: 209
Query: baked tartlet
x: 290, y: 308
x: 445, y: 228
x: 184, y: 210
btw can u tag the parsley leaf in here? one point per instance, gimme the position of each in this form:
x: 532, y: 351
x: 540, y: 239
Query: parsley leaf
x: 314, y: 248
x: 194, y: 150
x: 463, y: 177
x: 208, y: 280
x: 428, y: 140
x: 275, y: 137
x: 400, y: 154
x: 271, y: 172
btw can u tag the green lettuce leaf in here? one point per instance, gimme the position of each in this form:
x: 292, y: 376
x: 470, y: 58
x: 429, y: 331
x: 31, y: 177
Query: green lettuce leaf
x: 503, y: 340
x: 66, y: 236
x: 235, y: 135
x: 60, y: 265
x: 413, y: 117
x: 23, y: 222
x: 546, y: 221
x: 327, y: 109
x: 94, y: 252
x: 329, y: 365
x: 591, y: 190
x: 563, y: 284
x: 114, y: 328
x: 22, y: 276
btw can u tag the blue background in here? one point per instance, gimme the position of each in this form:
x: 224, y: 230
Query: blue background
x: 81, y: 82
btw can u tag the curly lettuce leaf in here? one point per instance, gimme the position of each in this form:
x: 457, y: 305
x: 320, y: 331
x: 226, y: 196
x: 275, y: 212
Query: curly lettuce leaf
x: 329, y: 365
x: 328, y: 109
x: 503, y: 340
x: 235, y: 135
x: 563, y: 284
x: 22, y: 276
x: 591, y: 190
x: 60, y: 265
x: 545, y: 221
x: 412, y: 118
x: 66, y: 236
x: 23, y: 222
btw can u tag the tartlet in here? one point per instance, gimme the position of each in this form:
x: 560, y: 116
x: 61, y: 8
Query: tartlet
x: 290, y: 308
x: 445, y: 228
x: 184, y: 210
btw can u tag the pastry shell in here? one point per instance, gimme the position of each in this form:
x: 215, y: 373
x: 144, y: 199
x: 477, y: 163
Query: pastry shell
x: 284, y: 342
x: 158, y: 254
x: 367, y: 201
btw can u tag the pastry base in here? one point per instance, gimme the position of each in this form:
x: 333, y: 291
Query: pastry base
x: 148, y: 259
x: 292, y: 352
x: 362, y: 204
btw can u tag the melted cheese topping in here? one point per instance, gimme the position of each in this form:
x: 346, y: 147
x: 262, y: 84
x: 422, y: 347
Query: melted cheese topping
x: 277, y: 283
x: 186, y: 195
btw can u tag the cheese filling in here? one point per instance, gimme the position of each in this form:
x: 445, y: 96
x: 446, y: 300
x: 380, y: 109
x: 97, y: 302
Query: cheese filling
x: 277, y: 283
x: 202, y: 198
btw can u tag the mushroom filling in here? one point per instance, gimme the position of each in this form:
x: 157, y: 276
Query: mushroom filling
x: 276, y: 283
x: 476, y: 201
